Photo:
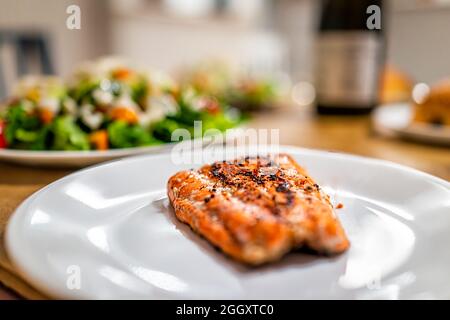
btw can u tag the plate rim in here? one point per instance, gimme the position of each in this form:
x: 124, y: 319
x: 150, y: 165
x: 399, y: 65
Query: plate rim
x: 58, y: 158
x: 79, y: 154
x: 14, y: 221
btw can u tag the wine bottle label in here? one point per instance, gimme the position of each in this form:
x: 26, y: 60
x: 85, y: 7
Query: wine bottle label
x: 347, y: 68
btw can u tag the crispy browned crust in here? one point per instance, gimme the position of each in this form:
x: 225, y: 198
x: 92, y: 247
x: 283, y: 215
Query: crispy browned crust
x: 257, y: 209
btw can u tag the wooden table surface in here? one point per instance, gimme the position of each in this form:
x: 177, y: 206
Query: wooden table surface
x: 298, y: 127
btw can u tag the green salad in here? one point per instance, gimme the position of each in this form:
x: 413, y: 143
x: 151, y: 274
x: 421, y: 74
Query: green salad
x: 106, y: 105
x: 241, y: 91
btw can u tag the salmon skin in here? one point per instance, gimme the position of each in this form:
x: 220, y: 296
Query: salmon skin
x: 257, y: 209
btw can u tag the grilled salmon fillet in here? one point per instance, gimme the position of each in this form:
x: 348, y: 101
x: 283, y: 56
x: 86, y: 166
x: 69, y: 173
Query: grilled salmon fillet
x: 256, y: 209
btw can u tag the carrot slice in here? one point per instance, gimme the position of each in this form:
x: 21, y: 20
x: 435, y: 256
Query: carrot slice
x: 46, y: 116
x: 122, y: 74
x: 124, y: 114
x: 99, y: 139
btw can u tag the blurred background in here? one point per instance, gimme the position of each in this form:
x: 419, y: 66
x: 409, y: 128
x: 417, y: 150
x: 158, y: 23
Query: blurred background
x: 294, y: 59
x: 258, y: 36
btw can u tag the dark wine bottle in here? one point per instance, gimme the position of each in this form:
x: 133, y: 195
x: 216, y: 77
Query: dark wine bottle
x: 350, y: 55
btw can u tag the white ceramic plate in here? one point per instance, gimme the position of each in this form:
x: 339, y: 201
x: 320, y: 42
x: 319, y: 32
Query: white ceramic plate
x: 112, y: 226
x: 78, y: 159
x: 72, y: 159
x: 395, y: 120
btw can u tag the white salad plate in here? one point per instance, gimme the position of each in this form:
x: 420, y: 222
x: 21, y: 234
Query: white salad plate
x: 109, y: 232
x: 73, y: 159
x: 396, y: 120
x: 79, y: 159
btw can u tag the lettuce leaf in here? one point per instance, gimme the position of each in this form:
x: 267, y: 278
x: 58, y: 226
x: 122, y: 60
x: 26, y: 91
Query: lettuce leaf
x: 67, y: 135
x: 124, y: 135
